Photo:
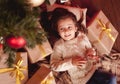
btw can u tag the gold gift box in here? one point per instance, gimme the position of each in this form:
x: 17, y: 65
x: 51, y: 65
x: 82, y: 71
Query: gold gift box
x: 9, y: 75
x: 39, y: 51
x: 101, y: 33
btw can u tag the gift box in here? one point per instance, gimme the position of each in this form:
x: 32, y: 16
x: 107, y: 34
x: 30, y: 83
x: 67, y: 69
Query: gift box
x: 42, y: 76
x: 18, y: 74
x: 101, y: 33
x: 39, y: 51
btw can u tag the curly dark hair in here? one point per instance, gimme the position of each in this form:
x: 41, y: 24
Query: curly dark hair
x: 62, y: 13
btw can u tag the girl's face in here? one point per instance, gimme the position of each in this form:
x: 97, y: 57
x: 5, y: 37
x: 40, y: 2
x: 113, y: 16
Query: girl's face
x: 67, y: 28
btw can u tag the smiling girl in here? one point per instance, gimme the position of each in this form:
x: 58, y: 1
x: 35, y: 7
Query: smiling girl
x: 70, y: 50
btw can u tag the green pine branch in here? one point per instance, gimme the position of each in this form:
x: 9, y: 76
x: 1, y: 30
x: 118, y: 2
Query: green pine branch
x: 18, y: 18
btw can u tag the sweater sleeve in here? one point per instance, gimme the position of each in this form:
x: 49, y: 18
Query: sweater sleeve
x: 88, y: 44
x: 57, y: 62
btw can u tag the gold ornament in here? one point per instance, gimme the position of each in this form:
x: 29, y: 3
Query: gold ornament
x: 36, y: 3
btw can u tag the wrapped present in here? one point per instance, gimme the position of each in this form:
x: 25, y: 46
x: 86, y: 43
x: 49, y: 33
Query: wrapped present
x: 18, y: 74
x: 39, y: 51
x: 101, y: 33
x: 42, y: 76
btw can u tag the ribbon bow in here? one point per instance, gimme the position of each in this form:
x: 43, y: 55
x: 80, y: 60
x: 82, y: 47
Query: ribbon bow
x: 42, y: 50
x: 106, y: 29
x: 16, y: 71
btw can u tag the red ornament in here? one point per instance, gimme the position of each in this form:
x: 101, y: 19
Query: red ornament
x: 1, y: 46
x: 16, y: 42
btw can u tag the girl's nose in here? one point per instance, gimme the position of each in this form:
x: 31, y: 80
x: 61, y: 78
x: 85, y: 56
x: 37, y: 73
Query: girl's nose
x: 65, y: 30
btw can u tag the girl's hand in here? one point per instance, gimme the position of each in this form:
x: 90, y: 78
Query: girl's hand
x: 90, y: 52
x: 79, y: 61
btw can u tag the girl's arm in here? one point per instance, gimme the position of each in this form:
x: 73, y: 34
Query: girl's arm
x: 57, y: 62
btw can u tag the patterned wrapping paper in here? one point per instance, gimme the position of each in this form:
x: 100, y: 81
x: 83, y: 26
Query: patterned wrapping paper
x: 8, y: 75
x: 39, y: 52
x: 42, y: 76
x: 101, y: 33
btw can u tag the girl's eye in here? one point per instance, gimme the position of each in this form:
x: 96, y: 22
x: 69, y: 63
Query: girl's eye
x: 69, y: 27
x: 61, y: 29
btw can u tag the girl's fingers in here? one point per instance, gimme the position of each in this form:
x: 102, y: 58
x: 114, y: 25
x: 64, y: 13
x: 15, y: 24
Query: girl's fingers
x: 82, y: 66
x: 81, y: 63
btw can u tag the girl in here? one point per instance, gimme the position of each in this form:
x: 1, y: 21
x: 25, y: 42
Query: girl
x: 71, y: 50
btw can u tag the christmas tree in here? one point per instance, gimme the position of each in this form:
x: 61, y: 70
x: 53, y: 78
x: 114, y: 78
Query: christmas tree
x: 19, y: 26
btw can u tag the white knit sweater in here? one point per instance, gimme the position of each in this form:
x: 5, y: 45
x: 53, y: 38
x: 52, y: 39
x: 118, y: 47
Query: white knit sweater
x: 61, y: 58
